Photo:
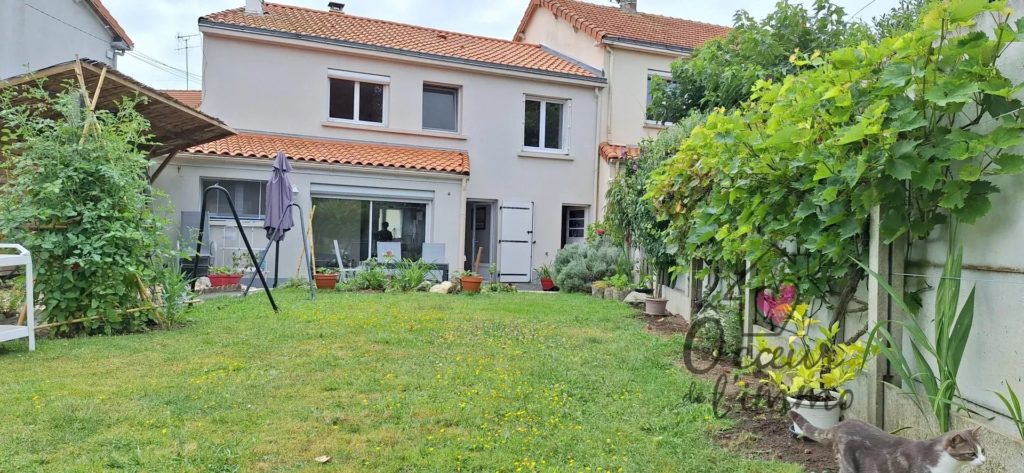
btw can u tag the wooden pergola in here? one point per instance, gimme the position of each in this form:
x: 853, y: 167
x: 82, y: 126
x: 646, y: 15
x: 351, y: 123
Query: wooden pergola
x: 175, y: 126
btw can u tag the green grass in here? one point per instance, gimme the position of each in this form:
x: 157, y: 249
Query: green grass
x: 396, y: 382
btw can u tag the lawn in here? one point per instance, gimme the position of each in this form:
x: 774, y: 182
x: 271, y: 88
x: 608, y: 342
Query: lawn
x: 396, y: 382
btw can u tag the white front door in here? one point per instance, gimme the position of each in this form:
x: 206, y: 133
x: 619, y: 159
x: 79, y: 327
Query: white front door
x: 515, y: 242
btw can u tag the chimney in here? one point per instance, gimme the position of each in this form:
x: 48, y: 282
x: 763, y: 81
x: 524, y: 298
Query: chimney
x: 254, y: 7
x: 628, y: 6
x: 336, y: 7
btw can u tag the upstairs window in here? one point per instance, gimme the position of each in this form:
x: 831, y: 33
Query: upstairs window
x: 654, y: 110
x: 440, y: 108
x: 357, y: 97
x: 544, y: 126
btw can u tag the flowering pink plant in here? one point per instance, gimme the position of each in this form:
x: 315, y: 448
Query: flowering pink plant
x: 776, y: 309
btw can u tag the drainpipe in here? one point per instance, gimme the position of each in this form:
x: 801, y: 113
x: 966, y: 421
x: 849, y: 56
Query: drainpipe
x: 597, y: 164
x: 462, y: 224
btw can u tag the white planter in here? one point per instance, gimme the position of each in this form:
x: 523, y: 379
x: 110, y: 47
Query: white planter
x: 821, y: 414
x: 655, y: 306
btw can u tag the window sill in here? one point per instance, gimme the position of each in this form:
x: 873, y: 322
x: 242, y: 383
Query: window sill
x: 230, y: 221
x: 656, y: 125
x: 383, y: 129
x: 542, y: 155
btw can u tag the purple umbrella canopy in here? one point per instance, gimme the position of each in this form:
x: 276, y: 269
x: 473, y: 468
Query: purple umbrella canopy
x: 279, y: 197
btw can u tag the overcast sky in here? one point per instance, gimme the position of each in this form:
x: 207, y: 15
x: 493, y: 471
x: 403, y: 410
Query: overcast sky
x: 155, y: 24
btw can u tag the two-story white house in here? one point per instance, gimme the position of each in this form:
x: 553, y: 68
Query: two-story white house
x: 398, y: 133
x: 630, y: 48
x: 37, y: 34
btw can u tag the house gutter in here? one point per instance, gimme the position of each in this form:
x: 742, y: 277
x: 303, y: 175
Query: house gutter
x: 648, y: 47
x: 205, y: 23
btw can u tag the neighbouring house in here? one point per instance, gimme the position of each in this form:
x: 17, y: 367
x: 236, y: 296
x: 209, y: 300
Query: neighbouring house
x: 37, y: 34
x: 399, y: 134
x: 630, y: 48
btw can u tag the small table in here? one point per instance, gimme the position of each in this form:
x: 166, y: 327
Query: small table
x: 14, y: 332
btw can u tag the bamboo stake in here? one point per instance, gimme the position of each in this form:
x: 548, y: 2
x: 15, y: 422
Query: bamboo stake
x: 22, y: 314
x: 129, y: 311
x: 309, y: 237
x: 476, y: 261
x: 99, y: 86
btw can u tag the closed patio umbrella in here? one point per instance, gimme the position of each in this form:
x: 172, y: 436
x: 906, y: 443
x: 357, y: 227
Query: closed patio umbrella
x: 279, y: 197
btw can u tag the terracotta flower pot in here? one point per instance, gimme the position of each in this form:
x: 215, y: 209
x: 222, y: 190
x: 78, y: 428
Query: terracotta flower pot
x: 655, y: 306
x: 325, y: 281
x: 221, y: 280
x: 472, y: 283
x: 547, y: 284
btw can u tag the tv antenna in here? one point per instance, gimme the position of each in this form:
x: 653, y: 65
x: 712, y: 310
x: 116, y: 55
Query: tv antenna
x: 185, y: 39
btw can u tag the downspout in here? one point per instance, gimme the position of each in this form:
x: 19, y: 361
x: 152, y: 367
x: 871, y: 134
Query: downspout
x: 462, y: 225
x: 597, y: 163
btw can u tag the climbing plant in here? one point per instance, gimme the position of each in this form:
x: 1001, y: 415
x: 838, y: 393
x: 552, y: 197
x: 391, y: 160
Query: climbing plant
x: 917, y: 124
x: 77, y: 196
x: 634, y: 216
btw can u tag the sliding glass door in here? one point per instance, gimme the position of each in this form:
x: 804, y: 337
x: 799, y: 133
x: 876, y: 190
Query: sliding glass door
x: 359, y: 225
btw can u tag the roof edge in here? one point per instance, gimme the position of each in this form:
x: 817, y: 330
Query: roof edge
x: 205, y: 22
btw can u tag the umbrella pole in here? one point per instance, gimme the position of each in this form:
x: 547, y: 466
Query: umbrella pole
x: 277, y: 262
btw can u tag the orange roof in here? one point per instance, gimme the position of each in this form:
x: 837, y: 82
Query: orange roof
x: 612, y: 152
x: 192, y: 98
x: 603, y: 22
x: 399, y: 38
x: 320, y: 150
x: 109, y: 19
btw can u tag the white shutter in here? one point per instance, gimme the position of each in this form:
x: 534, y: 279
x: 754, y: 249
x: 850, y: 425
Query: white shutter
x: 515, y: 242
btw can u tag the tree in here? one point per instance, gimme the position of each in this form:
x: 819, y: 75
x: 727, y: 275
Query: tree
x: 722, y: 72
x: 77, y: 196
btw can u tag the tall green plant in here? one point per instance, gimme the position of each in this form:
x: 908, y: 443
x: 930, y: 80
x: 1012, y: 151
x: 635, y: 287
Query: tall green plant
x: 935, y: 363
x: 1013, y: 408
x: 77, y: 196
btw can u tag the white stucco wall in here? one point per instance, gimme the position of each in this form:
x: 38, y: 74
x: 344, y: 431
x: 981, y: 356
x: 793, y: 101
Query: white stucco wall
x: 31, y: 40
x: 627, y: 94
x: 994, y: 265
x: 283, y: 88
x: 546, y: 29
x: 182, y: 183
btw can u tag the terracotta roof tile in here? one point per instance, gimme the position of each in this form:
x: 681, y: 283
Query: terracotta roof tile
x: 109, y: 19
x: 399, y: 37
x: 318, y: 150
x: 609, y: 22
x: 610, y: 152
x: 192, y: 98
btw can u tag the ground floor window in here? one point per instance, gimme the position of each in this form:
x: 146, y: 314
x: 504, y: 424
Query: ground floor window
x: 359, y: 225
x: 249, y: 198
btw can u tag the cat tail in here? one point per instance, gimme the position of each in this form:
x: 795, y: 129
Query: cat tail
x: 823, y: 436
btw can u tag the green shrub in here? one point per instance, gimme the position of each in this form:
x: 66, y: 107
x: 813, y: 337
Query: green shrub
x: 12, y: 296
x: 720, y: 330
x: 372, y: 277
x: 409, y: 275
x: 77, y: 195
x: 579, y: 265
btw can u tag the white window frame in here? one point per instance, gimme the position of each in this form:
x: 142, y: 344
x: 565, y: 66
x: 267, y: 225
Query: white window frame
x: 647, y: 104
x: 566, y: 117
x: 359, y: 78
x: 458, y: 106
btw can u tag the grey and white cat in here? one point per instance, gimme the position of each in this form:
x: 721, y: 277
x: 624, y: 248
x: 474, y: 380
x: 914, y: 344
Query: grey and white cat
x: 863, y: 448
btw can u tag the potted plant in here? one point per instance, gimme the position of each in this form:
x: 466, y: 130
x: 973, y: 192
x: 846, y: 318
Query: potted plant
x: 619, y: 287
x: 326, y: 278
x: 547, y: 281
x: 470, y: 281
x: 814, y: 369
x: 221, y: 276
